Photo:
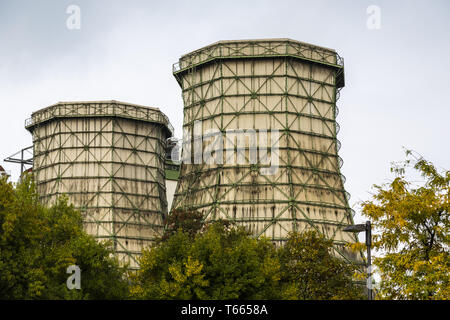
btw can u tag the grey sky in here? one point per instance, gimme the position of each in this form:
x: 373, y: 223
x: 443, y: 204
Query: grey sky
x: 397, y: 77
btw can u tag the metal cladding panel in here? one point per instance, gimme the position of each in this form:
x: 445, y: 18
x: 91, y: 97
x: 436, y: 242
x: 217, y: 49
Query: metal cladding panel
x: 288, y: 91
x: 110, y: 167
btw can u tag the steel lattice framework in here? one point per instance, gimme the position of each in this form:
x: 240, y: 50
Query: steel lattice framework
x: 271, y: 84
x: 108, y: 157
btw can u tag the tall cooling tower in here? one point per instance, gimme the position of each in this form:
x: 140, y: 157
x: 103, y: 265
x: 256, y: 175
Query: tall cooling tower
x: 278, y: 93
x: 108, y: 157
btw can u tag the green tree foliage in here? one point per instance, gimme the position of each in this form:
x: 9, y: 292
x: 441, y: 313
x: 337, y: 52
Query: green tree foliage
x: 188, y: 221
x: 219, y: 263
x: 37, y: 244
x: 310, y: 271
x: 412, y: 224
x: 225, y: 262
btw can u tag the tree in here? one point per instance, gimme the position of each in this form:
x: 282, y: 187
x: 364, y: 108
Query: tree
x: 188, y: 221
x: 311, y: 272
x: 37, y: 244
x: 222, y: 262
x: 413, y: 233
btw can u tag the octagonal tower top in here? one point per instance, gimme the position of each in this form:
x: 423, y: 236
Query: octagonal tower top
x: 262, y: 48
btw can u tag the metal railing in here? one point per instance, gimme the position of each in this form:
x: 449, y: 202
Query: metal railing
x: 96, y: 109
x: 258, y: 49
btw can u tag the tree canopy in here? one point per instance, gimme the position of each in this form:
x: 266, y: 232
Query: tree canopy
x: 412, y: 232
x: 223, y: 261
x: 311, y: 272
x: 37, y: 244
x: 188, y: 221
x: 219, y: 263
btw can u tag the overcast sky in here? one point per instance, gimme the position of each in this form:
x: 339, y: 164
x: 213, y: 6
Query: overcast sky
x: 397, y: 76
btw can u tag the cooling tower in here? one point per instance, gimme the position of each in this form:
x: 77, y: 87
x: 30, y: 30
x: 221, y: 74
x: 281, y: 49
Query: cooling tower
x: 260, y: 140
x: 108, y: 158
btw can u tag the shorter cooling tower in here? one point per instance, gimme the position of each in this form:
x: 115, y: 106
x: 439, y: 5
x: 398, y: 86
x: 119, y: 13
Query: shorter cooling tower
x: 108, y: 157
